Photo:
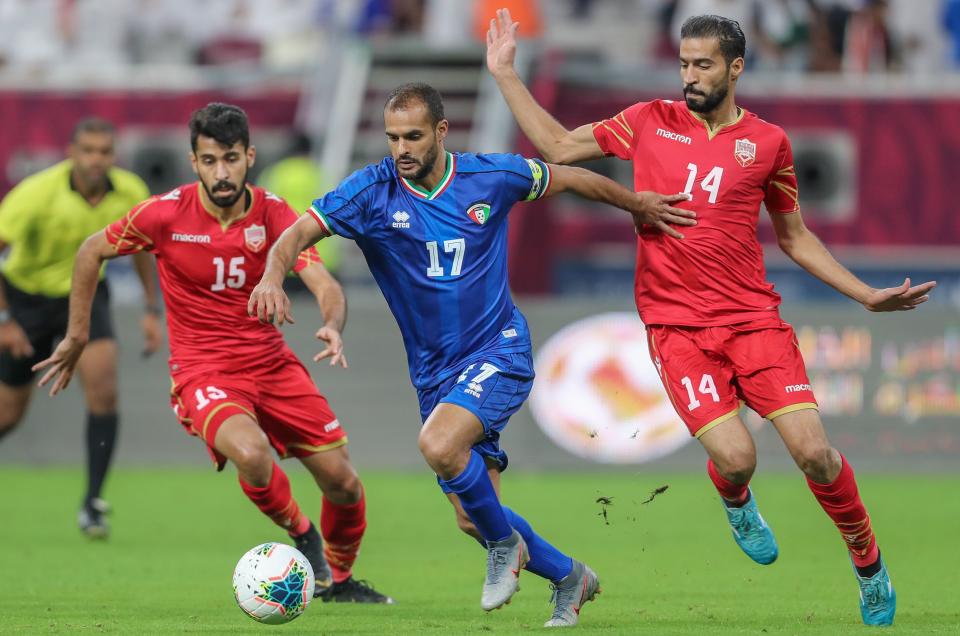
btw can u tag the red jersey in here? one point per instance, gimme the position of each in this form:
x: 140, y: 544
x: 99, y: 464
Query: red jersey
x: 207, y: 271
x: 715, y: 276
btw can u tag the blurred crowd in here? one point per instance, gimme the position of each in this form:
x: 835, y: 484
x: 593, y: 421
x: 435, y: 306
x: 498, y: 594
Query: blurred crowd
x: 798, y: 35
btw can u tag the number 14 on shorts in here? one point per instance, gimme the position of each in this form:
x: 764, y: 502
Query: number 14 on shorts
x: 707, y: 388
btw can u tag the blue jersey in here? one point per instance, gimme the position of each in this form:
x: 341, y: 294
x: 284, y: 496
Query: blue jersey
x: 440, y: 257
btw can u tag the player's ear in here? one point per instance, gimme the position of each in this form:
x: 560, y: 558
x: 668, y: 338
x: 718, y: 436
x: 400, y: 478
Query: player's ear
x: 736, y: 67
x: 193, y: 162
x: 251, y: 156
x: 442, y: 127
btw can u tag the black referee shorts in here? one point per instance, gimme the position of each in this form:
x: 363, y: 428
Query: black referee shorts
x: 45, y: 321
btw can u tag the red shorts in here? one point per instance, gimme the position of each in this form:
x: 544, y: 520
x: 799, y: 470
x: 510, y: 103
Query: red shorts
x: 708, y: 371
x: 280, y: 396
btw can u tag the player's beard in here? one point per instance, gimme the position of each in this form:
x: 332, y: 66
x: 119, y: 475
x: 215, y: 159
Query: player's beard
x: 228, y: 197
x: 710, y: 100
x: 426, y: 165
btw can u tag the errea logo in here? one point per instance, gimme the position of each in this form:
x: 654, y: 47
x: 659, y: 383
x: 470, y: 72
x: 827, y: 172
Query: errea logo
x: 668, y: 134
x: 401, y: 219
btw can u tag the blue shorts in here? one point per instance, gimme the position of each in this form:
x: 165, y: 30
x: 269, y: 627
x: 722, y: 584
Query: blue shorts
x: 492, y: 387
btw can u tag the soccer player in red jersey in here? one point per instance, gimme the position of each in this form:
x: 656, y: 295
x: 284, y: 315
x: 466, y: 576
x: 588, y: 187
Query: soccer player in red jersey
x: 236, y: 384
x: 713, y: 324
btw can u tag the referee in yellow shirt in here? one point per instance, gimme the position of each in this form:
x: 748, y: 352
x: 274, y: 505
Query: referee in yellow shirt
x: 43, y: 221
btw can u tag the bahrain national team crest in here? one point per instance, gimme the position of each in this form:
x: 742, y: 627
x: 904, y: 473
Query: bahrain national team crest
x: 479, y: 212
x: 745, y: 152
x: 255, y: 237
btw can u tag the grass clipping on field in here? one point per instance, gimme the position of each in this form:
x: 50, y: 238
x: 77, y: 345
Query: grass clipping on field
x: 607, y: 502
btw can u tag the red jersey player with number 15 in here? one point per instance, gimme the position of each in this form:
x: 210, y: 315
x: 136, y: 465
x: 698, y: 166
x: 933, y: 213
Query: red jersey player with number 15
x: 712, y: 319
x: 236, y: 384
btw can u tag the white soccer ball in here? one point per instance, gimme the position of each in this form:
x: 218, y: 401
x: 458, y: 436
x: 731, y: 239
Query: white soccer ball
x: 273, y: 583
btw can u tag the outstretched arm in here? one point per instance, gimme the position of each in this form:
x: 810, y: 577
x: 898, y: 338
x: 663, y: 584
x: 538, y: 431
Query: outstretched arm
x: 333, y: 307
x: 647, y: 208
x: 806, y: 250
x: 86, y: 271
x: 268, y: 302
x: 552, y: 140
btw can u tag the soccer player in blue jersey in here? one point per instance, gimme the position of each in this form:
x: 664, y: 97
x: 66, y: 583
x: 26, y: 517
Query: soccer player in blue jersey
x: 433, y: 227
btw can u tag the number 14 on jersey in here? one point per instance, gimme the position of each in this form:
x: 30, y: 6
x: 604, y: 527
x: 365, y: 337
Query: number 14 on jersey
x: 710, y: 183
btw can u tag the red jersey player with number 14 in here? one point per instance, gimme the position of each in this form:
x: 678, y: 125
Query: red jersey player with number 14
x: 712, y: 319
x: 236, y: 384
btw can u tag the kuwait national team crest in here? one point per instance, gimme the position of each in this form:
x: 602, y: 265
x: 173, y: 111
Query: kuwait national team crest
x: 745, y: 152
x: 255, y: 237
x: 479, y: 212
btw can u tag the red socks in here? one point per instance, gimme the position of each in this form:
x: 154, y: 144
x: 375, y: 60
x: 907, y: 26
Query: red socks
x: 841, y: 501
x: 734, y: 493
x: 277, y: 502
x: 342, y: 527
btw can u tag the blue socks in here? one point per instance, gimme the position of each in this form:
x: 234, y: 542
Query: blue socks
x: 545, y: 560
x: 479, y: 500
x: 496, y: 522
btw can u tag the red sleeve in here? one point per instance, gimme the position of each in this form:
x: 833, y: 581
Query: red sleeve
x: 284, y: 216
x: 617, y: 135
x: 782, y: 196
x: 138, y: 230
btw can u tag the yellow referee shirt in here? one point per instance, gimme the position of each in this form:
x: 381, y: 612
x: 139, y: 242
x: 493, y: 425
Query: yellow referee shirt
x: 45, y: 220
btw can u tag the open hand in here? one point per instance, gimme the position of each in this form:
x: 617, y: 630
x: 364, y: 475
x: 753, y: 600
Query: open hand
x: 61, y: 363
x: 334, y: 349
x: 501, y: 42
x: 654, y: 209
x: 902, y: 298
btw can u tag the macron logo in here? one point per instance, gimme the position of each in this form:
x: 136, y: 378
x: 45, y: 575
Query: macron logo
x: 672, y: 135
x: 795, y: 388
x: 190, y: 238
x: 401, y: 219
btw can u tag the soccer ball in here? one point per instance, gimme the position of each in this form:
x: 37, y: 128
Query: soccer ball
x: 273, y: 583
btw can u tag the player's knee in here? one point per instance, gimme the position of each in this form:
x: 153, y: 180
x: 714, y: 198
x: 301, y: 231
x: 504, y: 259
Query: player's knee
x: 254, y: 462
x: 737, y: 466
x: 439, y: 455
x: 102, y: 398
x: 10, y: 416
x: 819, y: 462
x: 7, y: 424
x: 345, y: 489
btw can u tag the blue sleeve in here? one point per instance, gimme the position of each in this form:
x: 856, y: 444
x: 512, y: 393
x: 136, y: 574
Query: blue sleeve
x: 526, y: 179
x: 343, y: 211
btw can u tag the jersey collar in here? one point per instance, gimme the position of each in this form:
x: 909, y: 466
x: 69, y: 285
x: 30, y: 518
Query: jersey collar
x: 419, y: 192
x: 712, y: 132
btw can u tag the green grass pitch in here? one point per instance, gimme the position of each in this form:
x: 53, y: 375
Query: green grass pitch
x: 666, y: 567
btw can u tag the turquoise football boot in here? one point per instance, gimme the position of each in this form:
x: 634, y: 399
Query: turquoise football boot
x: 878, y: 601
x: 751, y: 532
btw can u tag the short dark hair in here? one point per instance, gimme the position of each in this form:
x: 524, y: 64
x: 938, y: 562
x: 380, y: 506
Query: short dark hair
x: 402, y: 96
x: 225, y: 123
x: 733, y: 43
x: 91, y: 125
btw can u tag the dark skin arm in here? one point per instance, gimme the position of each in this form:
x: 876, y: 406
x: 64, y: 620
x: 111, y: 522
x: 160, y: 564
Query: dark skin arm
x: 12, y: 336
